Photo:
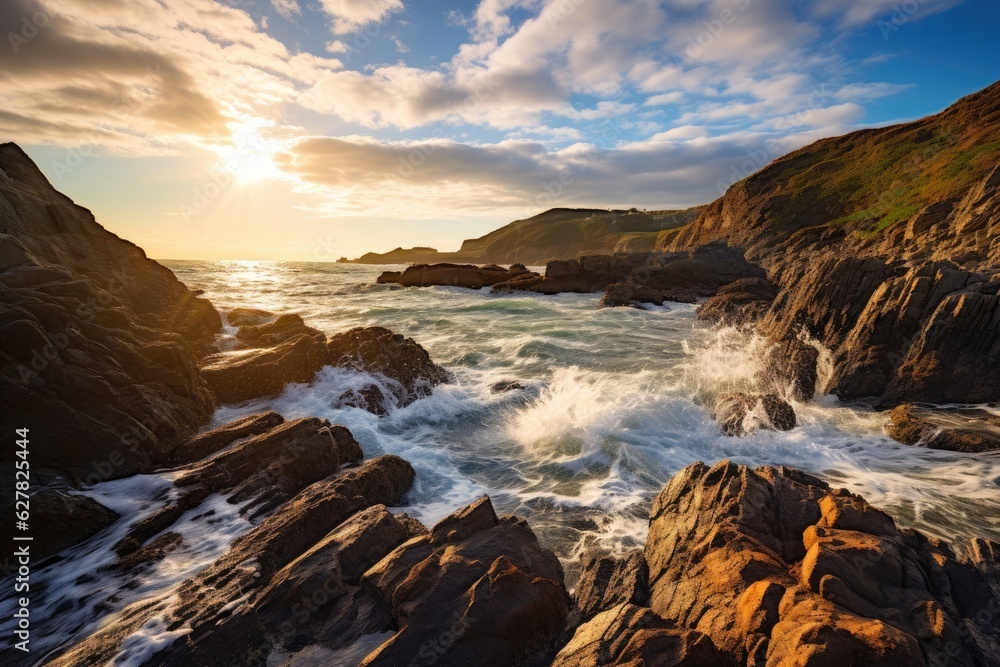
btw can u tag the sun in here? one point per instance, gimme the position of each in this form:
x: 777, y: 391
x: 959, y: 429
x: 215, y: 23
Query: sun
x: 249, y: 156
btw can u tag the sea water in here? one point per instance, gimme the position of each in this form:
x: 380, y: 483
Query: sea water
x: 612, y: 404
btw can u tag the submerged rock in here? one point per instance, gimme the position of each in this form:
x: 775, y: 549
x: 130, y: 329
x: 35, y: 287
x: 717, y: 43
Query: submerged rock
x: 775, y: 566
x: 970, y: 430
x: 503, y: 386
x: 241, y: 317
x: 741, y: 413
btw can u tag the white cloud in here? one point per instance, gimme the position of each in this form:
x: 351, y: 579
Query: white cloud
x: 289, y: 9
x: 350, y: 15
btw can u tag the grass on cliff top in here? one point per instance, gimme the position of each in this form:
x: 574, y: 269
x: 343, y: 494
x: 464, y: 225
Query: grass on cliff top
x: 873, y: 180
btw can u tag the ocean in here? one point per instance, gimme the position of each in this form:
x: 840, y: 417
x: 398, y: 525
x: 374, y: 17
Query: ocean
x: 612, y: 404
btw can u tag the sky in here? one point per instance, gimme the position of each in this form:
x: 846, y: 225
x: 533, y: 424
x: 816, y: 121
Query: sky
x: 314, y: 129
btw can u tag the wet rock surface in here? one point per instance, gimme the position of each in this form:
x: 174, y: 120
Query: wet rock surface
x: 741, y: 413
x: 380, y: 351
x: 969, y: 430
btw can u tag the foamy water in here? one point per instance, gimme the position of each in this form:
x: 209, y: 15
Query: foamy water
x: 611, y: 408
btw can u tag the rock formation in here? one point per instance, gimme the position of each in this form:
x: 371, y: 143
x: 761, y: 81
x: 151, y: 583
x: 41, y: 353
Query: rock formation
x: 99, y: 345
x: 456, y: 275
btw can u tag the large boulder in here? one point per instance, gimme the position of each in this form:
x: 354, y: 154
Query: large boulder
x: 776, y: 567
x: 379, y: 351
x: 740, y: 303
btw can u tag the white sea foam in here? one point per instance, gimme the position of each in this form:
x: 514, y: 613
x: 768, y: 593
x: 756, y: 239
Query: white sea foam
x: 613, y: 404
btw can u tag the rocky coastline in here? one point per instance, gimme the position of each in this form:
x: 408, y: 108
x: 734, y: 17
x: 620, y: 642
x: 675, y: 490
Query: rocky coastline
x: 765, y: 566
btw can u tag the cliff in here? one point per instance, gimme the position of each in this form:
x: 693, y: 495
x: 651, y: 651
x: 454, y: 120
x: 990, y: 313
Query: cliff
x: 556, y: 234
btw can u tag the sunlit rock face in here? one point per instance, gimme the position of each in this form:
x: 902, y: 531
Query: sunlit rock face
x: 776, y: 567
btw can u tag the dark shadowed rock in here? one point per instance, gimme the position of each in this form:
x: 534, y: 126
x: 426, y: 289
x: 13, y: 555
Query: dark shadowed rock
x: 61, y: 517
x: 740, y: 413
x: 969, y: 430
x: 686, y: 274
x: 211, y: 441
x: 632, y: 635
x: 247, y: 374
x: 380, y: 351
x: 369, y: 398
x: 503, y: 386
x: 773, y: 565
x: 791, y: 369
x: 95, y: 333
x: 634, y: 295
x: 739, y: 303
x: 455, y: 275
x: 259, y: 471
x: 607, y: 581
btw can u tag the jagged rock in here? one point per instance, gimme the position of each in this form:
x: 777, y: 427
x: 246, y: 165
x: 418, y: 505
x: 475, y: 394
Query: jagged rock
x: 242, y: 317
x: 378, y: 350
x: 217, y: 604
x: 773, y: 565
x: 60, y: 517
x: 635, y: 636
x: 478, y: 590
x: 259, y: 471
x: 212, y: 441
x: 739, y: 303
x: 94, y: 332
x: 607, y: 581
x: 455, y: 275
x: 969, y: 430
x: 740, y: 413
x: 269, y: 334
x: 248, y: 374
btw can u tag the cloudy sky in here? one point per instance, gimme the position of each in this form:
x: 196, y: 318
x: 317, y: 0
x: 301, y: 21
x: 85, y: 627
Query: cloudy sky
x: 312, y: 129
